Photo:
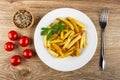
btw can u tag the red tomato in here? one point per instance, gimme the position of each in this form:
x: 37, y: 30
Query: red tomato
x: 24, y: 41
x: 27, y: 53
x: 16, y: 60
x: 13, y: 35
x: 9, y: 46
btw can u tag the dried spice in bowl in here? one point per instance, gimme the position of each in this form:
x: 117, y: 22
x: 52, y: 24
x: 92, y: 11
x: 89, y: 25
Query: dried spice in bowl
x: 23, y: 19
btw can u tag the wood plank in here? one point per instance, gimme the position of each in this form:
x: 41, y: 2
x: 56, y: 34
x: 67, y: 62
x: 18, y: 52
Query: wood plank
x: 35, y: 69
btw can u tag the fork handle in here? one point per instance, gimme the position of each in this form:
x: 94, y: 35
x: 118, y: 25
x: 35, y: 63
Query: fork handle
x: 102, y: 57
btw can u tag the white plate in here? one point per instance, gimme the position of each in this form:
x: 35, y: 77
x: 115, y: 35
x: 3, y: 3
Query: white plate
x: 69, y: 63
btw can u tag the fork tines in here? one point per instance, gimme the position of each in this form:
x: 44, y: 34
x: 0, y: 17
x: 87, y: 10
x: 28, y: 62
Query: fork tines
x: 104, y: 15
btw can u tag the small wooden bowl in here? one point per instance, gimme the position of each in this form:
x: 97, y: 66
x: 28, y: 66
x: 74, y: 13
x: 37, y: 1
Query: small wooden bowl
x: 17, y: 25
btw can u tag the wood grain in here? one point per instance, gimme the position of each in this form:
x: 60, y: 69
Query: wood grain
x: 35, y: 69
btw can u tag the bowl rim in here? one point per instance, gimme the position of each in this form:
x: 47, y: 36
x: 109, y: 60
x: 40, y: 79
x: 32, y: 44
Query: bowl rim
x: 27, y: 11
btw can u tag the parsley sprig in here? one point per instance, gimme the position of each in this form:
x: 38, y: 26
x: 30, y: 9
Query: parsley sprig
x: 55, y: 29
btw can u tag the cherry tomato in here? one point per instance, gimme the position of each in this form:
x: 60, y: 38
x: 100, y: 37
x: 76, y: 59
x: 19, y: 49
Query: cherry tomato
x: 27, y: 53
x: 9, y: 46
x: 13, y: 35
x: 16, y: 60
x: 24, y: 41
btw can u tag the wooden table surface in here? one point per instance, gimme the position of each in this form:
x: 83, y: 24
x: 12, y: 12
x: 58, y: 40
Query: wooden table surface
x: 34, y: 68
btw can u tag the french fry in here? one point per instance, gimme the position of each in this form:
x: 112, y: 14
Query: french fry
x: 73, y: 23
x: 51, y: 25
x: 56, y: 41
x: 82, y: 40
x: 77, y: 48
x: 66, y: 43
x: 85, y: 41
x: 58, y: 49
x: 44, y: 41
x: 67, y: 34
x: 54, y: 37
x: 67, y: 23
x: 72, y: 48
x: 61, y: 35
x: 68, y: 53
x: 73, y: 41
x: 52, y: 48
x: 53, y: 53
x: 80, y: 24
x: 73, y: 36
x: 48, y: 43
x: 85, y: 44
x: 66, y: 30
x: 57, y: 20
x: 60, y: 44
x: 83, y: 29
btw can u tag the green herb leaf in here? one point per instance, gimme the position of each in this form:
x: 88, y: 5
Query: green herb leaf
x: 60, y: 22
x: 44, y: 32
x: 49, y: 36
x: 62, y: 28
x: 55, y: 29
x: 44, y: 28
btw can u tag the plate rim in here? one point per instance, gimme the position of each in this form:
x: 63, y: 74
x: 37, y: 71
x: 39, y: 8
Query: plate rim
x: 92, y: 51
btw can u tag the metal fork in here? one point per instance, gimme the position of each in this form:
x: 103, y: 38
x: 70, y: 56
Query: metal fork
x: 103, y: 22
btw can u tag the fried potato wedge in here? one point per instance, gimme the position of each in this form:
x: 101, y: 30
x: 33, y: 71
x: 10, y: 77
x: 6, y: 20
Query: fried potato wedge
x: 67, y: 54
x: 80, y: 24
x: 73, y: 23
x: 68, y: 42
x: 62, y: 35
x: 58, y: 49
x: 67, y: 23
x: 53, y: 53
x: 82, y: 40
x: 73, y: 41
x: 85, y: 41
x: 56, y: 41
x: 45, y: 41
x: 67, y: 34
